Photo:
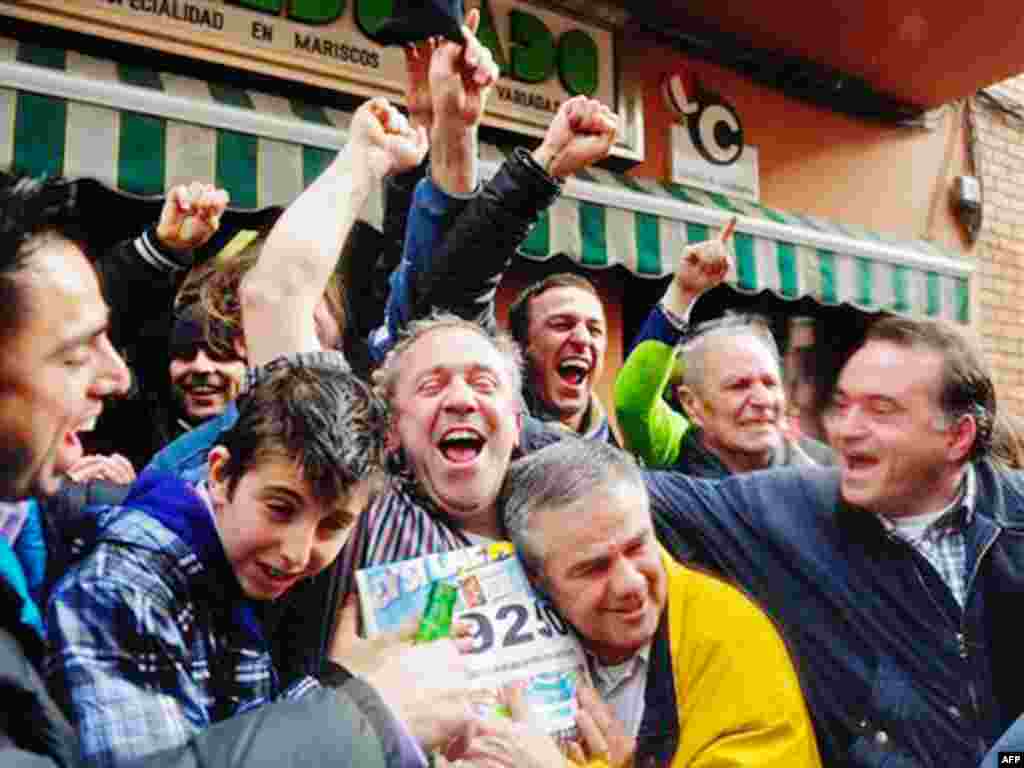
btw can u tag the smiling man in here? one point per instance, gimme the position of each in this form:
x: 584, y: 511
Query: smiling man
x: 169, y: 581
x: 56, y: 366
x: 693, y: 672
x: 914, y: 542
x: 559, y: 324
x: 725, y: 375
x: 205, y: 377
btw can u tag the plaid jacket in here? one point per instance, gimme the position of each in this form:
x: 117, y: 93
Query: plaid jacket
x: 152, y: 640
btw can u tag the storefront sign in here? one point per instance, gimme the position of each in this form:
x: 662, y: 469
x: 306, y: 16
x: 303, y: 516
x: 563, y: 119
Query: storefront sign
x: 545, y: 57
x: 707, y: 140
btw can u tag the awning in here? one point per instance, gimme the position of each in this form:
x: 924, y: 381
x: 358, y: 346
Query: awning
x: 62, y: 112
x: 140, y: 131
x: 604, y: 218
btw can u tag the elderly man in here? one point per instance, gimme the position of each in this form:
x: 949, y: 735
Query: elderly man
x: 896, y: 578
x: 730, y: 388
x: 694, y: 672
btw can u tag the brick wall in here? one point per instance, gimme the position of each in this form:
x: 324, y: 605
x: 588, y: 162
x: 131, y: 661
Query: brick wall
x: 999, y: 278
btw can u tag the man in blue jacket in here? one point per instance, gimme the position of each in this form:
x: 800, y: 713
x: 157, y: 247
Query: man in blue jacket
x: 896, y: 577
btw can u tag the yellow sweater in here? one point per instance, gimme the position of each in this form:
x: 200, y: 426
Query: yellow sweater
x: 738, y: 698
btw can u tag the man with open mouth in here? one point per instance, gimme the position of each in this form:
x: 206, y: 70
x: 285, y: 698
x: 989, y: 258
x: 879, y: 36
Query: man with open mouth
x: 896, y: 576
x: 559, y: 323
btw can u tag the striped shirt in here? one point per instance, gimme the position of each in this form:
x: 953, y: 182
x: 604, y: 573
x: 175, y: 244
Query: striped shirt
x: 398, y: 525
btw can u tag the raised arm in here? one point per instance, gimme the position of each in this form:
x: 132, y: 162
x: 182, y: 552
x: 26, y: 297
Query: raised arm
x: 701, y: 267
x: 280, y: 294
x: 137, y: 275
x: 462, y: 273
x: 651, y: 429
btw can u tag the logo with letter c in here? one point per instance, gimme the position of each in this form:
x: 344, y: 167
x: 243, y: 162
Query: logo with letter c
x: 713, y: 124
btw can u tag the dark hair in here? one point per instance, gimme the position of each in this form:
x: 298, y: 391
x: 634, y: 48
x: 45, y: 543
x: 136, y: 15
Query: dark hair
x: 966, y: 387
x: 519, y: 310
x: 322, y: 418
x: 32, y: 213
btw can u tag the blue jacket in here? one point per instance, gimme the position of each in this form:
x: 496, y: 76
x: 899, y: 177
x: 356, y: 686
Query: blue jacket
x: 894, y: 672
x: 151, y: 628
x: 186, y: 455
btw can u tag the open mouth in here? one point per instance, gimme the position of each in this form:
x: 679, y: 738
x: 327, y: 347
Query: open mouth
x: 72, y: 443
x: 860, y: 462
x: 574, y: 371
x: 203, y: 391
x: 277, y: 577
x: 461, y: 445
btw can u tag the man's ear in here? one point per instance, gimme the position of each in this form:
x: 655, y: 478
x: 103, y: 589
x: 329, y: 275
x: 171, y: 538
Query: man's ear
x: 240, y: 349
x: 691, y: 405
x: 392, y: 440
x: 217, y: 483
x: 962, y: 435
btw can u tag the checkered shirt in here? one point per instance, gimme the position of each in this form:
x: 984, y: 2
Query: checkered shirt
x: 943, y: 544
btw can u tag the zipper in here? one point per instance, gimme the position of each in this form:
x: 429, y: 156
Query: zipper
x: 962, y: 634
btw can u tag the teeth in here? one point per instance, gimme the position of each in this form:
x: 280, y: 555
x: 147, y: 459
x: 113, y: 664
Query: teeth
x: 88, y: 426
x: 461, y: 434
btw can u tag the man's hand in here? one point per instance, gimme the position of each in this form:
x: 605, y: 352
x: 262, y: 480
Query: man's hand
x: 461, y: 77
x: 190, y: 216
x: 114, y: 468
x: 517, y: 742
x: 426, y: 686
x: 602, y: 733
x: 382, y: 138
x: 701, y: 267
x: 581, y: 133
x: 417, y: 82
x: 361, y: 655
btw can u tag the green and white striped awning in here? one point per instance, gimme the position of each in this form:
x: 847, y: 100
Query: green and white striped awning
x: 604, y: 218
x: 140, y: 131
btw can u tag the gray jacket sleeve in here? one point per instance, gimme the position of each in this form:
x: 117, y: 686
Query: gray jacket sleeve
x: 348, y: 725
x: 345, y: 726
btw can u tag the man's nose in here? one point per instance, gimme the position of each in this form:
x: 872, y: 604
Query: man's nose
x: 459, y: 396
x: 112, y: 376
x: 581, y: 335
x: 297, y: 546
x: 202, y: 362
x: 627, y: 579
x: 846, y: 422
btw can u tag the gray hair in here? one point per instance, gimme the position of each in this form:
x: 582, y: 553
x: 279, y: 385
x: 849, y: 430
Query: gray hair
x: 693, y: 350
x: 558, y: 476
x: 385, y: 378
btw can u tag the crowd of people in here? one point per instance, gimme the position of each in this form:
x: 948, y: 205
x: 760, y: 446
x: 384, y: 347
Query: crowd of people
x: 199, y: 454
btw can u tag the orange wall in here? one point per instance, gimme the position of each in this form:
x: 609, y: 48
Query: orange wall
x: 814, y: 161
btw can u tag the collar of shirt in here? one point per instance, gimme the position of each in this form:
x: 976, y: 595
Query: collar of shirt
x: 956, y: 516
x: 610, y: 677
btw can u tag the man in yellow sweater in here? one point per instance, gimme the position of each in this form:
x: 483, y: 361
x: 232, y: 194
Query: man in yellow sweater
x: 691, y: 671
